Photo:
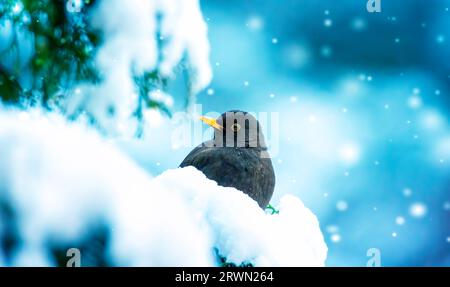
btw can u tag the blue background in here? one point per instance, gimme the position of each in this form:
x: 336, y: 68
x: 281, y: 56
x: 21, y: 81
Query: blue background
x: 363, y: 100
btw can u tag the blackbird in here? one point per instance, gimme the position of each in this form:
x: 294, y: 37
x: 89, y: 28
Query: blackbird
x: 237, y: 156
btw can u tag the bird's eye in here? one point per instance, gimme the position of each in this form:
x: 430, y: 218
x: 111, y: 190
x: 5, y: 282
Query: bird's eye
x: 235, y: 127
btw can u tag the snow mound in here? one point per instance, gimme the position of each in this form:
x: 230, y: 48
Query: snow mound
x: 61, y: 180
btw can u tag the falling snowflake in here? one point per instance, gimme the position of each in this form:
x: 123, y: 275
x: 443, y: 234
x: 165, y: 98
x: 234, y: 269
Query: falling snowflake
x: 418, y: 210
x: 400, y: 220
x: 327, y: 22
x: 335, y: 238
x: 342, y: 205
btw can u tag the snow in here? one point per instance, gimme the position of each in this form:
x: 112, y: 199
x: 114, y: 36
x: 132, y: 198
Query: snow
x: 131, y: 47
x: 184, y: 27
x: 63, y: 180
x: 418, y: 210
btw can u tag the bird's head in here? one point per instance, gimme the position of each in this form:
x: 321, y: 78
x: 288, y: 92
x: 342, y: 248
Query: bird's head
x: 236, y: 129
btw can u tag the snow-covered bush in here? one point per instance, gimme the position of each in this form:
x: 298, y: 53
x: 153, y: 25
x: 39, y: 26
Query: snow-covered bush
x: 61, y: 184
x: 64, y: 185
x: 101, y: 59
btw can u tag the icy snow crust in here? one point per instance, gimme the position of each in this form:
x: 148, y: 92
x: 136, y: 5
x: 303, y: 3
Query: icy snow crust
x: 63, y: 178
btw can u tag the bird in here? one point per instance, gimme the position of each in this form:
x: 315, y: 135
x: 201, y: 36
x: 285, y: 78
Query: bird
x: 237, y: 156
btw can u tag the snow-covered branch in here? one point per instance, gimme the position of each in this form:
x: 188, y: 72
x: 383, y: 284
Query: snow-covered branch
x: 142, y: 36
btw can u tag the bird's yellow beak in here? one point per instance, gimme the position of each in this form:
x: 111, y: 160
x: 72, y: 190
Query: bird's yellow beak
x: 211, y: 122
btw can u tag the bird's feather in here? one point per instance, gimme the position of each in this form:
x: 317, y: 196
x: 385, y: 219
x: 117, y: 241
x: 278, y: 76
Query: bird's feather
x: 242, y: 168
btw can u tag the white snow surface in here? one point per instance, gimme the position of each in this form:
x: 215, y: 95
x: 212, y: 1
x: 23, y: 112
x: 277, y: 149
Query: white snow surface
x: 62, y: 178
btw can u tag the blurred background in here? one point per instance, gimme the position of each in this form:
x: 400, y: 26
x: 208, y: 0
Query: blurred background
x: 363, y: 103
x: 363, y: 100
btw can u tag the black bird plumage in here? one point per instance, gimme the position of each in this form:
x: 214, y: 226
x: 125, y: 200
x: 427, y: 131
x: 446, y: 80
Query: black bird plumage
x: 237, y: 157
